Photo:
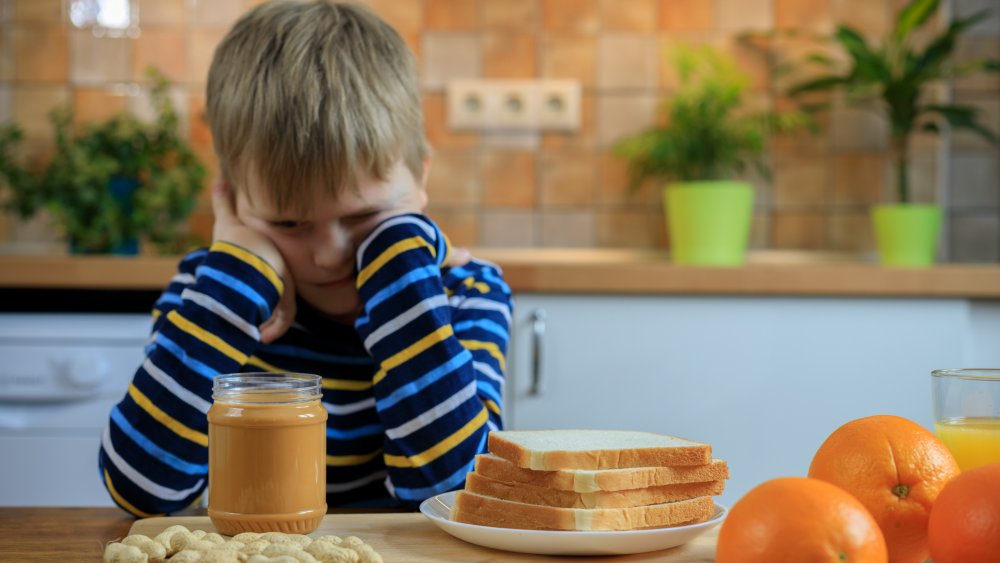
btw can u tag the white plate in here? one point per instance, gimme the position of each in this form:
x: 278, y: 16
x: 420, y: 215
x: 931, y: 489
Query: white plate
x: 542, y: 542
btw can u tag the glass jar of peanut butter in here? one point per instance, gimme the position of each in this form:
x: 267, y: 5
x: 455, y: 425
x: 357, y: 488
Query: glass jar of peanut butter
x: 266, y: 453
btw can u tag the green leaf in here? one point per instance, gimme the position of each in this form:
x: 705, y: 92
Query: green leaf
x: 868, y: 66
x: 914, y: 15
x: 962, y: 117
x: 821, y: 84
x: 941, y: 48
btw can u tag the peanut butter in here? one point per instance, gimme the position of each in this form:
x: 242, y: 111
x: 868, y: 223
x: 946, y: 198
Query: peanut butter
x: 266, y: 454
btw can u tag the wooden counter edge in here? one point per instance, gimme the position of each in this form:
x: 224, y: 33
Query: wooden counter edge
x: 600, y: 272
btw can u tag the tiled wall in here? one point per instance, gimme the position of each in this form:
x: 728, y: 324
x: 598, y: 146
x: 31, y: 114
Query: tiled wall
x: 548, y: 189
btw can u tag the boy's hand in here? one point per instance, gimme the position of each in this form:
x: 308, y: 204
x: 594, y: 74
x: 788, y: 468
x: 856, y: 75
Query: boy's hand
x: 457, y: 257
x: 229, y: 228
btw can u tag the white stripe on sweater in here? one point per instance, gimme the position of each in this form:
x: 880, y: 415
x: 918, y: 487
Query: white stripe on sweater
x: 403, y: 318
x: 178, y: 390
x: 429, y: 416
x: 143, y: 482
x: 349, y: 408
x: 488, y: 371
x: 462, y: 302
x: 357, y: 483
x: 221, y: 310
x: 392, y: 223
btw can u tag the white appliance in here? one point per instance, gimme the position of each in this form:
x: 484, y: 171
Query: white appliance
x: 60, y: 374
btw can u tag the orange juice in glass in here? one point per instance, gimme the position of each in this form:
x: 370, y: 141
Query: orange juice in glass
x: 967, y: 414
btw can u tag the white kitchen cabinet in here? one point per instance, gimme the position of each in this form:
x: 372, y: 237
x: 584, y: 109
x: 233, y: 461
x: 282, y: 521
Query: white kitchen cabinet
x: 763, y: 379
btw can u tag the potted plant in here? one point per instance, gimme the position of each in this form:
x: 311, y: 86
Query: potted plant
x: 112, y: 183
x: 897, y: 74
x: 705, y: 143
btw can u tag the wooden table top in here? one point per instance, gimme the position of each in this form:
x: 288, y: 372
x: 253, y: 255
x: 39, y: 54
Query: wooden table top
x: 59, y: 534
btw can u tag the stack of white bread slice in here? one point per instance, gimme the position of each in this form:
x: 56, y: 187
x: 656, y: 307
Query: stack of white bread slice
x: 590, y: 480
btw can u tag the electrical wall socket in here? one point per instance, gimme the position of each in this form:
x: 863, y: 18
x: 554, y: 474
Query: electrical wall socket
x: 495, y: 105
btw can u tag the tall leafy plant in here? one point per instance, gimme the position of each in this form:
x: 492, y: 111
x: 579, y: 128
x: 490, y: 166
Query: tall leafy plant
x: 705, y: 132
x: 112, y: 182
x: 897, y: 73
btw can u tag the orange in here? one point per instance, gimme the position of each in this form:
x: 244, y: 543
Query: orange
x: 896, y: 468
x: 799, y: 520
x: 965, y: 520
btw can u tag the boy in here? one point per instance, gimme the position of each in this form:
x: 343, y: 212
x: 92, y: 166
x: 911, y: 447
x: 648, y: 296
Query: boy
x: 321, y: 263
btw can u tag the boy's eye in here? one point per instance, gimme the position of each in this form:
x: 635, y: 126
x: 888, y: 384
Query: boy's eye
x: 288, y: 224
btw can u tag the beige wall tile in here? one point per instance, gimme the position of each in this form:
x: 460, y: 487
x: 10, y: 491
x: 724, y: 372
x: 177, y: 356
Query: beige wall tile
x: 859, y: 178
x: 687, y: 15
x: 91, y: 105
x: 570, y: 56
x: 40, y: 53
x: 31, y: 106
x: 6, y: 52
x: 451, y: 15
x: 613, y: 187
x: 511, y: 15
x: 513, y: 140
x: 570, y: 229
x: 640, y: 50
x: 576, y: 16
x: 455, y: 178
x: 401, y: 14
x: 629, y: 229
x: 924, y: 181
x: 436, y: 127
x: 510, y: 55
x: 799, y: 230
x: 162, y: 12
x: 808, y: 14
x: 975, y: 179
x: 201, y: 47
x: 6, y: 104
x: 97, y: 60
x: 801, y: 181
x: 509, y: 179
x: 37, y: 11
x: 760, y: 231
x: 163, y: 47
x: 447, y: 56
x: 508, y: 228
x: 568, y: 179
x: 620, y: 115
x: 459, y: 225
x: 851, y: 232
x: 744, y: 15
x: 871, y: 18
x: 859, y: 129
x: 629, y: 15
x: 975, y: 237
x: 215, y: 13
x: 138, y: 102
x: 585, y: 137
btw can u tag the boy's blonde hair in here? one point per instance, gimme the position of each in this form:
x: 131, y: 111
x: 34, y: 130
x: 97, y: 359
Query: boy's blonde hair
x: 307, y: 95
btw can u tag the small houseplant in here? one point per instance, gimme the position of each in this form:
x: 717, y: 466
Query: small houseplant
x: 111, y: 184
x: 704, y: 144
x: 897, y: 74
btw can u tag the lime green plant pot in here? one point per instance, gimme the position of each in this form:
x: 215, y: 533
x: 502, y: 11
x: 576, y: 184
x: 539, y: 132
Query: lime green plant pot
x: 709, y: 222
x: 907, y: 234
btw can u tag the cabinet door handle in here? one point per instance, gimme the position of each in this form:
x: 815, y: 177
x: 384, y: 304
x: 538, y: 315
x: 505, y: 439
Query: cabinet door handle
x: 537, y: 333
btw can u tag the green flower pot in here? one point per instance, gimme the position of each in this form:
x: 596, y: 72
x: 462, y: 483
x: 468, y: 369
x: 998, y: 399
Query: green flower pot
x: 709, y: 222
x: 907, y: 234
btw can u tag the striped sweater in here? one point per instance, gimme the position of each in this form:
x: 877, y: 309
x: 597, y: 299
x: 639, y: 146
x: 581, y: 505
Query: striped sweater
x: 412, y: 389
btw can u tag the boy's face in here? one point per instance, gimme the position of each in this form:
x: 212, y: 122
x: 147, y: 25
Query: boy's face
x: 319, y: 246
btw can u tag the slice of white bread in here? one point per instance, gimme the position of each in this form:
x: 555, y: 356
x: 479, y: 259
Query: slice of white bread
x: 595, y: 449
x: 590, y: 481
x: 530, y: 494
x: 472, y: 508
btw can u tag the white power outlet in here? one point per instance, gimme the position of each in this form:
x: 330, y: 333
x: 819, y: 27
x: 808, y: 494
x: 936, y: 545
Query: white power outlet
x: 492, y: 105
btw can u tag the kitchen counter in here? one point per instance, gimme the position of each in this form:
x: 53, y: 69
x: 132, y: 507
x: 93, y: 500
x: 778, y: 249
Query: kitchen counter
x: 611, y: 271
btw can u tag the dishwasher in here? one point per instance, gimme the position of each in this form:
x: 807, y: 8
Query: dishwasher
x: 60, y: 374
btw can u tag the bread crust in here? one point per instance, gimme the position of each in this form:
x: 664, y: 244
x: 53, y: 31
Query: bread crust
x: 473, y: 508
x: 588, y: 481
x: 501, y: 444
x: 531, y: 494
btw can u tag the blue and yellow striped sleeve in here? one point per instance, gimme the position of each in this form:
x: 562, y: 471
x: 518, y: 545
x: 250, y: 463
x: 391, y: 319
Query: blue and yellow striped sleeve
x: 154, y: 449
x: 440, y: 366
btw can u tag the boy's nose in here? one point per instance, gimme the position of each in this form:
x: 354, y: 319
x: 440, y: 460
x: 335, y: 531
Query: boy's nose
x: 334, y: 247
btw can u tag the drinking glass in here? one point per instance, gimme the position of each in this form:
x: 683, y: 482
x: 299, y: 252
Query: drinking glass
x: 967, y: 414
